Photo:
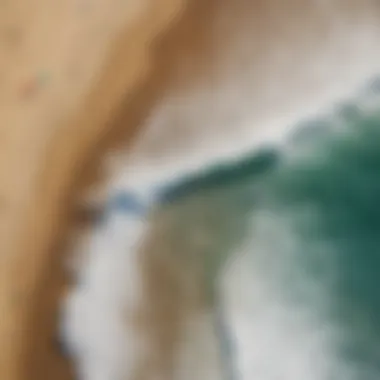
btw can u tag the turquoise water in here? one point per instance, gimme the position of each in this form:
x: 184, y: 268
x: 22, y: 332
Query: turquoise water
x: 329, y: 194
x: 343, y: 187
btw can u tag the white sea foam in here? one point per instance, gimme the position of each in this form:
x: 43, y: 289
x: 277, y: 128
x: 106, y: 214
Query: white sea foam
x: 310, y: 62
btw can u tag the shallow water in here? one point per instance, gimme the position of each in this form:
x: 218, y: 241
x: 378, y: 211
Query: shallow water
x: 285, y: 245
x: 309, y: 221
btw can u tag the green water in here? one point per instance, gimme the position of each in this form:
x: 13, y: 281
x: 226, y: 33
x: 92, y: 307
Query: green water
x: 341, y: 182
x: 331, y: 195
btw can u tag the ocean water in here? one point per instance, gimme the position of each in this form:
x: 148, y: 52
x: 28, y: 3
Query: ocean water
x: 284, y: 246
x: 289, y: 242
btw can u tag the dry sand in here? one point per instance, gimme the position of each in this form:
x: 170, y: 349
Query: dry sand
x: 64, y: 69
